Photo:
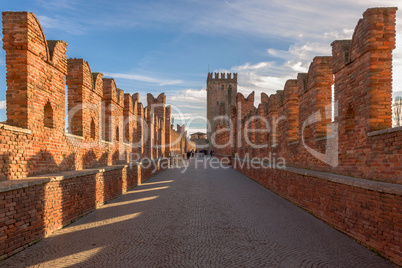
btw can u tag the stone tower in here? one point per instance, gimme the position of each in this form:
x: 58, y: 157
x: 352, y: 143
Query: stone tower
x: 221, y: 94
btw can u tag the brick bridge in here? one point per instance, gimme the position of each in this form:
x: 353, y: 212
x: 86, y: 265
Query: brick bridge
x: 198, y: 217
x: 346, y: 171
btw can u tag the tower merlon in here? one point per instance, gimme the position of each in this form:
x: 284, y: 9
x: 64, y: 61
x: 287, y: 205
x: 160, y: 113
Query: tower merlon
x: 222, y: 77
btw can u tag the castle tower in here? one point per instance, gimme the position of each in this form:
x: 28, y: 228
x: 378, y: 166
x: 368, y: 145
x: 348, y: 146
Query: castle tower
x: 221, y: 94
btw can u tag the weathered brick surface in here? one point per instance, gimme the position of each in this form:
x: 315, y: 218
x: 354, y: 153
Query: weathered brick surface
x: 107, y: 125
x: 107, y: 131
x: 363, y: 90
x: 371, y: 217
x: 31, y: 213
x: 359, y: 143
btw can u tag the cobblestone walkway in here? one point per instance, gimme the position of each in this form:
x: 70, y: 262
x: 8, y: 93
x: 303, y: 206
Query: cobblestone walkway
x: 199, y: 218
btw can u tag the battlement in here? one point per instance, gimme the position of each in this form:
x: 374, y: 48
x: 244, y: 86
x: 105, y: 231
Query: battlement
x: 264, y: 97
x: 360, y: 73
x: 223, y: 77
x: 246, y: 104
x: 157, y: 105
x: 161, y: 99
x: 97, y: 80
x: 101, y: 117
x: 112, y: 93
x: 29, y: 58
x: 180, y: 129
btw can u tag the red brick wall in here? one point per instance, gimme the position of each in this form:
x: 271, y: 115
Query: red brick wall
x: 139, y: 137
x: 31, y: 213
x: 364, y: 101
x: 365, y: 199
x: 168, y: 130
x: 246, y: 104
x: 158, y: 108
x: 371, y: 216
x: 225, y: 135
x: 290, y: 109
x: 32, y: 63
x: 179, y: 144
x: 97, y: 109
x: 33, y: 141
x: 301, y: 122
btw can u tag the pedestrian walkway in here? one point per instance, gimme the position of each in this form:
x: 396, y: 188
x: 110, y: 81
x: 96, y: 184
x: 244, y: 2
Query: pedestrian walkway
x: 198, y: 218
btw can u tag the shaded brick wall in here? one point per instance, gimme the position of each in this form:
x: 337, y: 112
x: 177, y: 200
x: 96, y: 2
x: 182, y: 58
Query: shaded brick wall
x: 29, y: 213
x: 371, y: 216
x: 347, y: 172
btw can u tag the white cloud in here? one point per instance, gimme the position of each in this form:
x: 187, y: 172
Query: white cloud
x: 190, y: 95
x: 312, y: 27
x: 335, y: 35
x: 284, y: 18
x: 298, y: 20
x: 57, y: 5
x: 47, y: 22
x: 299, y: 56
x: 182, y: 116
x: 271, y: 76
x: 144, y: 78
x: 309, y: 26
x: 3, y: 104
x: 261, y: 18
x: 192, y: 130
x: 60, y: 23
x: 308, y: 50
x: 192, y: 107
x: 267, y: 77
x: 189, y: 108
x: 249, y: 66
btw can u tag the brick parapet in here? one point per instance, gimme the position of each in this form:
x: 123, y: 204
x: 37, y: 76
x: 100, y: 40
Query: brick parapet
x: 300, y: 121
x: 31, y: 65
x: 44, y: 170
x: 348, y: 171
x: 43, y: 204
x: 363, y: 209
x: 33, y: 139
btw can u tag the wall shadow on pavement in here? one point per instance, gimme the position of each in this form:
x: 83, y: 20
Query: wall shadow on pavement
x: 96, y: 233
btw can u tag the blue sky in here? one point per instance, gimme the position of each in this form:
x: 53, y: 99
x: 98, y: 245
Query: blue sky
x: 167, y: 46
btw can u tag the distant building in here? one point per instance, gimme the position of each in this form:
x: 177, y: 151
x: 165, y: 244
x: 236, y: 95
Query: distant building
x: 198, y: 136
x: 221, y: 94
x: 200, y: 139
